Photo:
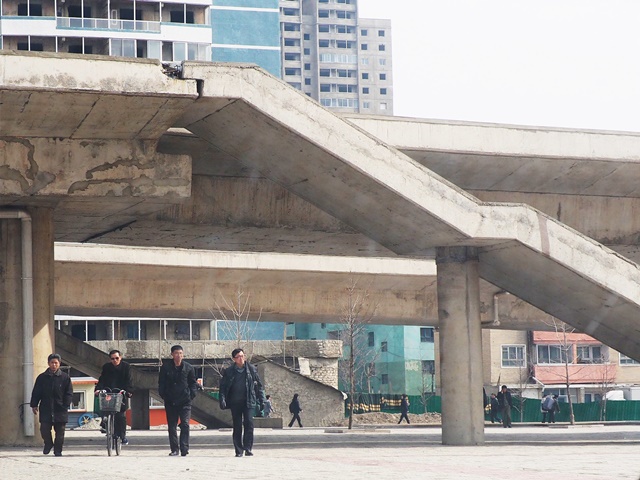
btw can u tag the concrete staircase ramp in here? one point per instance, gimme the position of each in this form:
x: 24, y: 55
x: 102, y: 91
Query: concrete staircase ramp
x: 400, y: 204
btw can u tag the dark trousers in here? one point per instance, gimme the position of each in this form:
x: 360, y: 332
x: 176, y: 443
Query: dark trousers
x: 182, y: 412
x: 120, y: 425
x: 242, y: 417
x: 296, y: 416
x: 494, y: 415
x: 506, y: 416
x: 403, y: 415
x: 49, y: 443
x: 552, y: 416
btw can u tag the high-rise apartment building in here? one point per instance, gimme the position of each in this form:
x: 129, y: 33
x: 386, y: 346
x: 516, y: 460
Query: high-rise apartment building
x: 318, y: 46
x: 167, y: 30
x: 336, y: 57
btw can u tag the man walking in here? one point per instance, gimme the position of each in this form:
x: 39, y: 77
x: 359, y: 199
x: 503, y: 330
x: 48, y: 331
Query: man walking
x: 504, y: 400
x: 404, y: 409
x: 51, y: 396
x: 241, y: 391
x: 177, y: 385
x: 116, y: 376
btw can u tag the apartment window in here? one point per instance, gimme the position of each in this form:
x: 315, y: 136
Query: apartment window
x: 365, y: 76
x: 364, y: 32
x: 551, y: 354
x: 382, y: 47
x: 372, y: 369
x: 291, y: 42
x: 366, y: 104
x: 292, y: 71
x: 127, y: 14
x: 382, y: 62
x: 291, y: 27
x: 383, y: 76
x: 384, y: 379
x: 372, y: 339
x: 381, y: 33
x: 429, y: 367
x: 589, y: 354
x: 624, y: 360
x: 307, y: 36
x: 426, y: 334
x: 323, y: 13
x: 333, y: 335
x: 364, y: 61
x: 291, y: 56
x: 383, y: 106
x: 383, y: 346
x: 307, y: 51
x: 325, y: 87
x: 322, y: 325
x: 323, y: 28
x: 31, y: 10
x: 76, y: 11
x: 180, y: 16
x: 325, y: 72
x: 307, y: 81
x: 323, y: 43
x: 383, y: 91
x: 365, y: 90
x: 513, y: 355
x: 364, y: 46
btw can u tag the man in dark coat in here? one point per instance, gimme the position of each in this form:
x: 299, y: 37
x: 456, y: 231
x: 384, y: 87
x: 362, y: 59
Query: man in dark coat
x: 241, y: 391
x: 404, y: 409
x: 116, y: 376
x: 177, y: 385
x: 504, y: 400
x: 51, y: 397
x: 295, y: 409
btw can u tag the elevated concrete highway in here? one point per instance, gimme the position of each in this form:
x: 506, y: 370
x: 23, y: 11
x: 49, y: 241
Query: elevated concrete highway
x: 94, y: 166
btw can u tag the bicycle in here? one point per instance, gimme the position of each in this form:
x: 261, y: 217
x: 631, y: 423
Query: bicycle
x: 110, y: 404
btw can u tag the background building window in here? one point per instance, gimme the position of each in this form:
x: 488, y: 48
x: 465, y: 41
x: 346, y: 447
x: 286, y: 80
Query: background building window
x: 554, y: 354
x: 513, y: 355
x: 372, y: 339
x: 429, y: 366
x: 426, y: 334
x: 624, y: 360
x: 384, y: 379
x: 383, y: 346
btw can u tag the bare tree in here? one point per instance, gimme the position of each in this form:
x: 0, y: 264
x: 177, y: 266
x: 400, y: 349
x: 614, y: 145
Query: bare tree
x: 357, y: 313
x: 606, y: 383
x: 566, y: 351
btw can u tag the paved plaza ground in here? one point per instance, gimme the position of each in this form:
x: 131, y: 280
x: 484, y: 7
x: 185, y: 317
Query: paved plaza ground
x: 405, y: 452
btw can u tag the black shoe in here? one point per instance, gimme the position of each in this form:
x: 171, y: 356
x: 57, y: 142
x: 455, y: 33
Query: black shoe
x: 174, y: 454
x: 184, y: 454
x: 125, y: 441
x: 247, y: 453
x: 238, y: 454
x: 58, y: 454
x: 46, y: 450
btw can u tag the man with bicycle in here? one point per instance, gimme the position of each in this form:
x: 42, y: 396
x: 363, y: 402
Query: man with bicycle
x: 116, y: 376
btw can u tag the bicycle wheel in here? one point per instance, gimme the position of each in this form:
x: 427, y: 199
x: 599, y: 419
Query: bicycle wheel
x: 110, y: 427
x: 117, y: 443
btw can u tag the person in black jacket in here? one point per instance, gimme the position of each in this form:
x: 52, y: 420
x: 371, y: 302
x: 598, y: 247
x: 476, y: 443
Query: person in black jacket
x: 51, y: 396
x: 177, y: 385
x: 404, y: 408
x: 241, y: 391
x: 115, y: 376
x: 294, y: 408
x: 505, y: 402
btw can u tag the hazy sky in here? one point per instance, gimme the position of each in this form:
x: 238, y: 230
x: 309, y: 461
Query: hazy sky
x: 567, y: 63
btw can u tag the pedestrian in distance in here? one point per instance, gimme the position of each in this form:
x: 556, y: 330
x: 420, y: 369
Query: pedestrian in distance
x: 505, y: 403
x: 555, y: 408
x: 116, y: 376
x: 50, y: 399
x: 494, y: 409
x: 268, y: 407
x: 404, y: 408
x: 241, y: 391
x: 546, y: 405
x: 294, y: 408
x: 177, y: 385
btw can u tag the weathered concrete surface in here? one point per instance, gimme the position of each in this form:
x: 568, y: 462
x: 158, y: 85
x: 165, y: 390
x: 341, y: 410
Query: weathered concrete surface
x: 265, y: 124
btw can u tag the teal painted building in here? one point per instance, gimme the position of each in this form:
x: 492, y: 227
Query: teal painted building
x: 247, y: 31
x: 390, y: 359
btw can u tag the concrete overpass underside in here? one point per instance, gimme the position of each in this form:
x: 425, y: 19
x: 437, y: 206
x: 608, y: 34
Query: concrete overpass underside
x: 90, y: 150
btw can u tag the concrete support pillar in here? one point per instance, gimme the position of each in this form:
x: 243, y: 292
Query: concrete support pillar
x: 140, y: 410
x: 460, y: 346
x: 11, y: 316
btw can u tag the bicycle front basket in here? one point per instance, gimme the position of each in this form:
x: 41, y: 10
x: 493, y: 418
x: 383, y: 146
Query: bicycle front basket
x: 110, y: 402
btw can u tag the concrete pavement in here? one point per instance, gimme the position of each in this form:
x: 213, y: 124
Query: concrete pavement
x: 406, y: 452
